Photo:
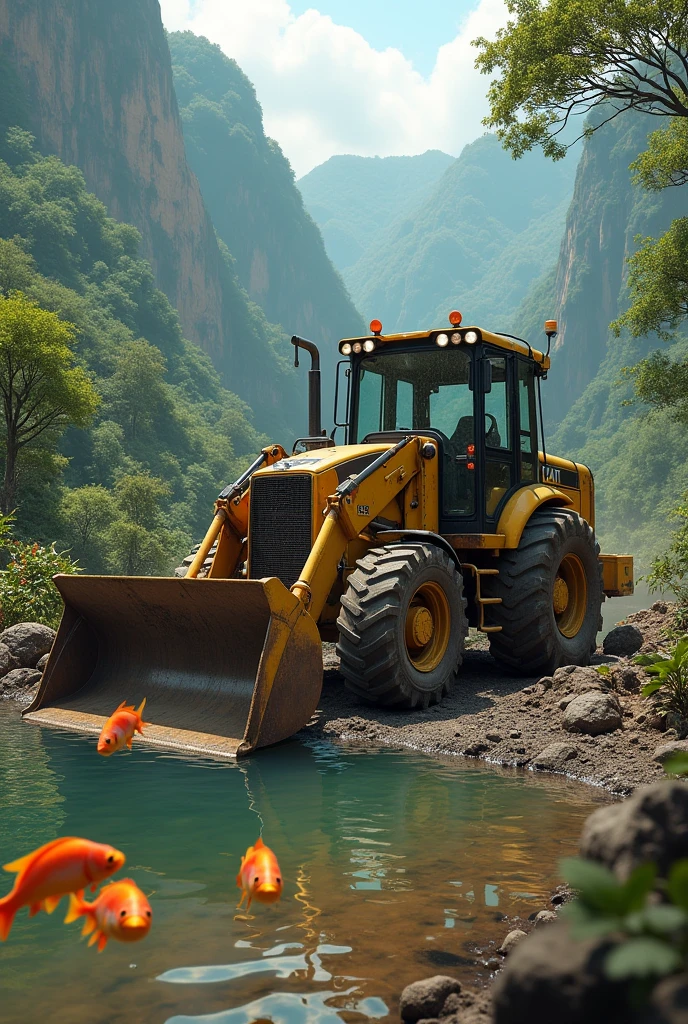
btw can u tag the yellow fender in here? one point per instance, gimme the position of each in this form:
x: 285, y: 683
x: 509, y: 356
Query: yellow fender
x: 520, y: 507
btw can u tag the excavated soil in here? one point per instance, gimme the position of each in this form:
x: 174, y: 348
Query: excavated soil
x: 510, y: 720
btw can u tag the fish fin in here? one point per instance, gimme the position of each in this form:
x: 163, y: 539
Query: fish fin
x: 17, y: 866
x: 139, y: 710
x: 102, y: 942
x: 50, y: 902
x: 259, y: 844
x: 89, y: 925
x: 34, y: 909
x: 248, y: 904
x: 129, y: 742
x: 120, y: 708
x: 6, y: 918
x: 75, y: 908
x: 94, y: 938
x: 239, y: 885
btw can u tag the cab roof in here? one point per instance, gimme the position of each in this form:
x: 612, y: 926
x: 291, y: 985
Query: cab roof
x: 503, y: 341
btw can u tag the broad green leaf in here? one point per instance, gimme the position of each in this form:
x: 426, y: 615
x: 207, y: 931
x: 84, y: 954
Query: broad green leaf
x: 641, y: 958
x: 598, y: 887
x: 647, y: 659
x: 677, y: 885
x: 603, y: 670
x: 662, y: 919
x: 640, y: 882
x: 649, y: 688
x: 677, y: 764
x: 589, y: 924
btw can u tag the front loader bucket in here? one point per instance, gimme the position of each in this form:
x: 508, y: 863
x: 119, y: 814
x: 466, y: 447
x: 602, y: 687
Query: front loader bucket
x: 226, y: 666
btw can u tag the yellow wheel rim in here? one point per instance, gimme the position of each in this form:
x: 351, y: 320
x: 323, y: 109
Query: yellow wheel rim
x: 427, y: 628
x: 570, y: 595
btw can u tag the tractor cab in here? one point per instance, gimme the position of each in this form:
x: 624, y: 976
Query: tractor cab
x: 474, y: 392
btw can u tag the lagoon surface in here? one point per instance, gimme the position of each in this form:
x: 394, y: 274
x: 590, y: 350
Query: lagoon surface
x: 396, y: 865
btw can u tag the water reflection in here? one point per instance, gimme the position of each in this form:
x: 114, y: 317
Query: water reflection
x: 393, y: 862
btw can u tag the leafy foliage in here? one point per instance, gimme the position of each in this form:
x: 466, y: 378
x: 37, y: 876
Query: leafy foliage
x: 654, y: 936
x: 658, y: 285
x: 27, y: 591
x: 562, y: 58
x: 669, y: 688
x: 669, y: 571
x: 665, y: 162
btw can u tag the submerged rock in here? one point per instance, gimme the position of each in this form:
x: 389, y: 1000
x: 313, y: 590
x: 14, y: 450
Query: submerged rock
x: 28, y: 641
x: 651, y: 825
x: 593, y: 713
x: 624, y: 641
x: 425, y: 999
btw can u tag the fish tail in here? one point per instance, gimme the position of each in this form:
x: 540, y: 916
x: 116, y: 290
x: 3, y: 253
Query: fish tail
x: 76, y: 907
x: 139, y: 710
x: 7, y: 912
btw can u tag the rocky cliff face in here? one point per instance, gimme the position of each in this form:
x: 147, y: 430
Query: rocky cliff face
x: 98, y: 86
x: 606, y: 213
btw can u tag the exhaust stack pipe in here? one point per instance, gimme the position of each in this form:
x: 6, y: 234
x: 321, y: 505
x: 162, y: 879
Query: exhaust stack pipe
x: 314, y: 399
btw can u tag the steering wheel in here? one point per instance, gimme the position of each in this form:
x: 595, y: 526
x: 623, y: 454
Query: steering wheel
x: 492, y: 436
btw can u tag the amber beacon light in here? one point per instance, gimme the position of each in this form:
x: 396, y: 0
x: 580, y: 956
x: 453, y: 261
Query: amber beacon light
x: 455, y: 318
x: 376, y: 327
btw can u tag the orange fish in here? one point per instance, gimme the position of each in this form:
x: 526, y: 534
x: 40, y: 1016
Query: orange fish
x: 120, y: 728
x: 120, y: 911
x: 259, y: 877
x: 54, y: 870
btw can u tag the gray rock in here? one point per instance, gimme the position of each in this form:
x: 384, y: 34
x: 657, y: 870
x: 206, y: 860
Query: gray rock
x: 511, y: 941
x: 666, y: 750
x: 515, y: 734
x: 552, y: 978
x: 493, y: 737
x: 42, y: 662
x: 593, y: 713
x: 545, y: 917
x: 628, y: 677
x: 424, y: 999
x: 650, y: 825
x: 18, y: 679
x: 554, y: 757
x: 7, y: 660
x: 580, y: 679
x: 546, y: 682
x: 479, y: 747
x: 623, y: 641
x: 28, y: 641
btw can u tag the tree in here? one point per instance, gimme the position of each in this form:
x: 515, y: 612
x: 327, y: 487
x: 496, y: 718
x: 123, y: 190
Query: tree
x: 560, y: 58
x: 136, y: 391
x: 658, y: 284
x: 88, y: 512
x: 41, y: 390
x: 16, y: 266
x: 139, y: 542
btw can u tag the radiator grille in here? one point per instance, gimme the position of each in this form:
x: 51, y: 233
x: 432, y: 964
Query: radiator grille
x: 280, y: 526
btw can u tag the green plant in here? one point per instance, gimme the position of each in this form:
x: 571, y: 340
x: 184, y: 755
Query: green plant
x: 669, y: 689
x: 654, y: 935
x: 27, y: 591
x: 669, y: 571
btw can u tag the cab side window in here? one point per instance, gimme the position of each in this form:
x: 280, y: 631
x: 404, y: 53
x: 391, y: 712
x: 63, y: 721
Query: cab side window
x: 498, y: 440
x: 527, y: 420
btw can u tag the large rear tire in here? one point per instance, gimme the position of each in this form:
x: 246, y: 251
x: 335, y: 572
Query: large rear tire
x: 402, y: 626
x: 551, y: 591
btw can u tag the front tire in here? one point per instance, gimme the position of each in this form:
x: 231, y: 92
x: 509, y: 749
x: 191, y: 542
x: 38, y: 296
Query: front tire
x: 551, y: 591
x: 402, y: 626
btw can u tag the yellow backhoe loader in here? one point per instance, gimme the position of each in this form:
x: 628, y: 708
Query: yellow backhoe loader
x: 440, y: 510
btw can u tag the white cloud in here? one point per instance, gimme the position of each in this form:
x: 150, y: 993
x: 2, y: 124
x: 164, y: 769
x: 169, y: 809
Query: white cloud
x: 325, y: 90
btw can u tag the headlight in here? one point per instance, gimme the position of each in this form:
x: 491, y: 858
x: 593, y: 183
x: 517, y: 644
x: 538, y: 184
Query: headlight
x: 369, y: 345
x: 357, y: 347
x: 442, y: 340
x: 456, y: 338
x: 345, y: 349
x: 471, y: 337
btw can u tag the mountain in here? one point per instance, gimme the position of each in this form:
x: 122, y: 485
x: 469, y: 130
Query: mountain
x: 353, y: 199
x: 248, y: 186
x: 489, y: 228
x: 93, y: 83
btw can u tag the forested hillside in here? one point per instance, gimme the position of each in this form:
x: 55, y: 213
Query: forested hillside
x: 248, y: 186
x: 139, y: 483
x: 490, y: 227
x: 93, y: 83
x: 353, y: 199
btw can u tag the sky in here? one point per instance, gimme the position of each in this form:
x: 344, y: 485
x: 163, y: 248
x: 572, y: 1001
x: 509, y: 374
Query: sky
x: 369, y: 77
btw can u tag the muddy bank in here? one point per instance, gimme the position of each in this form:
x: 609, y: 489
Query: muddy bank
x: 588, y: 725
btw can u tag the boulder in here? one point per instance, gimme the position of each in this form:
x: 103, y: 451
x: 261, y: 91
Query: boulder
x: 624, y: 641
x: 554, y: 757
x: 28, y: 641
x: 553, y: 978
x: 650, y: 825
x: 544, y: 917
x: 580, y: 679
x: 626, y: 676
x: 593, y: 713
x: 511, y: 941
x: 7, y: 660
x: 425, y: 999
x: 42, y: 662
x: 667, y: 750
x: 18, y: 679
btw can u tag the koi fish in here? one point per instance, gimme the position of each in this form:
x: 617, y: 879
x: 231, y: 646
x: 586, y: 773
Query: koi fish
x: 120, y: 728
x: 120, y: 911
x: 54, y: 870
x: 259, y: 877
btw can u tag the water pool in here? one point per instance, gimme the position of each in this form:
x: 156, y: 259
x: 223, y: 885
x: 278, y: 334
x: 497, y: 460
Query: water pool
x: 396, y: 866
